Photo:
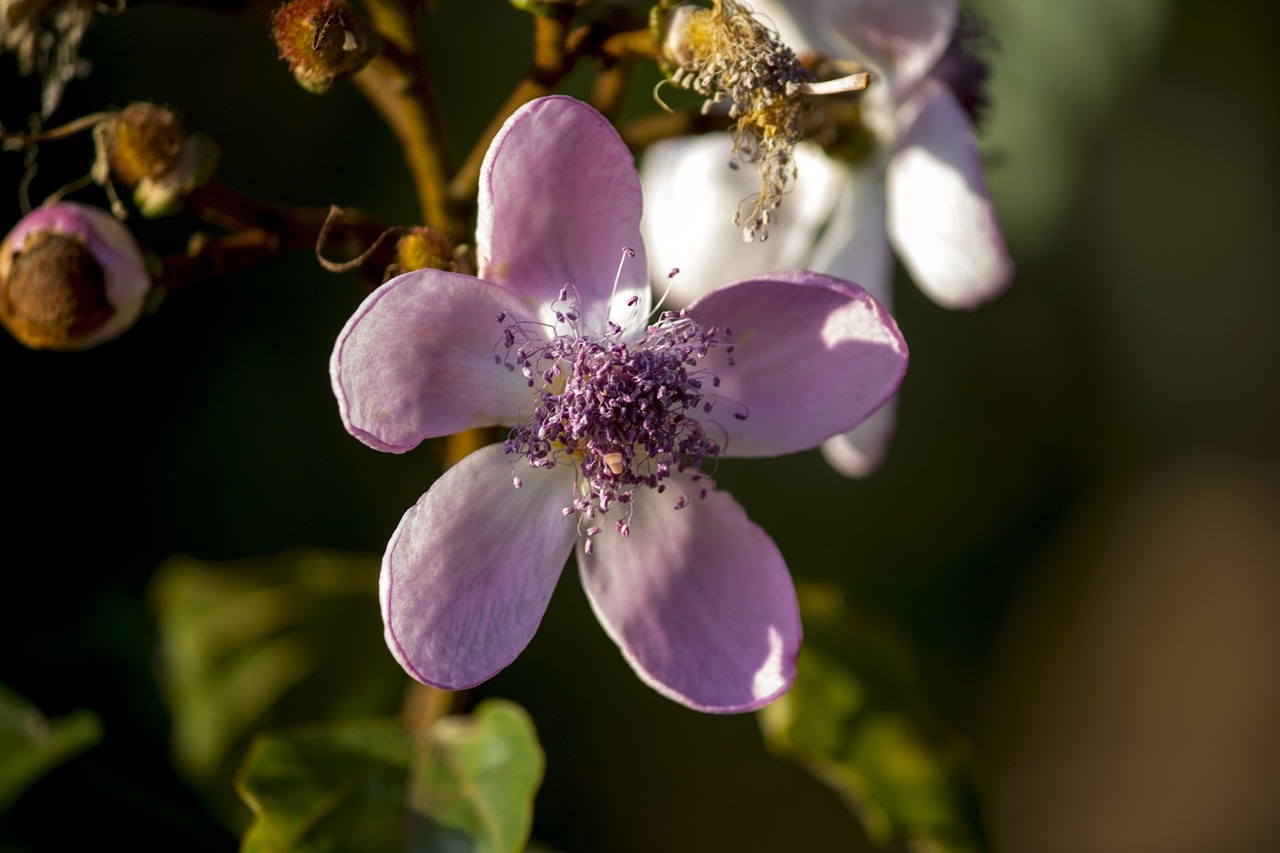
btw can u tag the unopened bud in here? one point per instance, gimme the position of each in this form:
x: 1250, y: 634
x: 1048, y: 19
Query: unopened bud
x: 140, y: 141
x: 322, y: 40
x: 144, y: 146
x: 71, y: 277
x: 425, y: 248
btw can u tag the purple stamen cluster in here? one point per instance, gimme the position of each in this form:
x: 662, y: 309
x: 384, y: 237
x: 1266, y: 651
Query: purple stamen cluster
x: 618, y: 411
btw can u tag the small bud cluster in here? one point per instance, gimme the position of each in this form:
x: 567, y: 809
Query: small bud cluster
x: 728, y: 56
x: 322, y: 40
x: 617, y: 411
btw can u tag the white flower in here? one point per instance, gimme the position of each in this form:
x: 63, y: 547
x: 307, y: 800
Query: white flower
x: 916, y: 183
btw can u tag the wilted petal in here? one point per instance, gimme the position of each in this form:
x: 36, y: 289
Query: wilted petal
x: 941, y: 219
x: 559, y: 200
x: 691, y: 194
x: 416, y: 361
x: 903, y: 39
x: 814, y: 357
x: 698, y: 599
x: 469, y: 571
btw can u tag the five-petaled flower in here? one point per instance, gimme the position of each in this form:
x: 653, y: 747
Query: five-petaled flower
x: 907, y: 174
x: 612, y: 415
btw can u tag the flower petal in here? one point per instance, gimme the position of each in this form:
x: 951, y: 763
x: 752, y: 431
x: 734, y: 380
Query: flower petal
x: 814, y: 356
x: 860, y: 451
x: 941, y: 219
x: 698, y: 599
x: 416, y: 361
x: 903, y: 39
x: 855, y: 244
x: 559, y: 201
x: 471, y: 567
x: 690, y: 196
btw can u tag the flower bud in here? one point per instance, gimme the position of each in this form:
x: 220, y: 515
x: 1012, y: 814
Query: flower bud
x: 71, y: 277
x: 144, y: 146
x: 322, y: 40
x: 140, y: 141
x: 425, y: 248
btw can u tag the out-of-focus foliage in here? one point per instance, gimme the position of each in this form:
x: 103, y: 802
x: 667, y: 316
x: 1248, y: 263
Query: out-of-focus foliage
x: 266, y: 642
x: 465, y: 784
x: 337, y: 786
x: 856, y: 719
x: 31, y: 744
x: 1058, y: 70
x: 478, y: 774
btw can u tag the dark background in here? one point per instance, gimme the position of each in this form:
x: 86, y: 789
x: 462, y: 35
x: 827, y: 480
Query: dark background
x: 1078, y: 527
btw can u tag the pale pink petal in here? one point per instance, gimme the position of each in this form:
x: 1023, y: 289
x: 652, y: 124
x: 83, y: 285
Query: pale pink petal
x: 902, y: 39
x: 856, y: 247
x: 814, y: 356
x: 691, y: 194
x: 416, y: 360
x: 855, y: 243
x: 698, y: 599
x: 559, y: 201
x: 941, y: 219
x: 861, y: 451
x: 469, y: 571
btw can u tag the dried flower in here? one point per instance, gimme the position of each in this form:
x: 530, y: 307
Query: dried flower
x: 71, y: 277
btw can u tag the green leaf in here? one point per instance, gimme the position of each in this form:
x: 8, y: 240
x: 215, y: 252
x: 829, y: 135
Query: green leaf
x: 465, y: 785
x: 266, y: 642
x: 479, y: 775
x: 859, y: 724
x: 328, y: 787
x: 31, y: 744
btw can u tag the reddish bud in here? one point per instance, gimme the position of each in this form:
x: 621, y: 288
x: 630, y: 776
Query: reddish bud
x: 322, y: 40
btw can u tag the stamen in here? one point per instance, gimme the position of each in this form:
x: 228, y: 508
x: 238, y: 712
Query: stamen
x: 619, y: 411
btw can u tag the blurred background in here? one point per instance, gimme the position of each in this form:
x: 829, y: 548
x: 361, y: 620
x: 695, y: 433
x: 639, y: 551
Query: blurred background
x: 1076, y: 535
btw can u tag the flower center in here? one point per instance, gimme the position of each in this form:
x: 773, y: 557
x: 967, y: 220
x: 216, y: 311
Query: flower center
x: 619, y: 411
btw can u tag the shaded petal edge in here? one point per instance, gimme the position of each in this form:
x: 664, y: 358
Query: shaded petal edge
x: 416, y: 361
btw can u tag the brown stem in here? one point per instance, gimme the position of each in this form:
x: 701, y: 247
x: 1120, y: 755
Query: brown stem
x: 643, y: 132
x: 263, y: 231
x: 609, y: 89
x: 404, y: 104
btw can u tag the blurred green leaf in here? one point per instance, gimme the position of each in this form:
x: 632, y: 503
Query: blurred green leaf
x: 467, y: 784
x: 328, y: 787
x: 31, y: 744
x: 479, y: 775
x: 859, y: 724
x: 267, y: 642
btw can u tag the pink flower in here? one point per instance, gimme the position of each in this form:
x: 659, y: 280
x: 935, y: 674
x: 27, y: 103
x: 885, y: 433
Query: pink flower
x: 611, y: 415
x: 919, y: 188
